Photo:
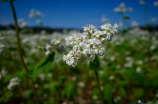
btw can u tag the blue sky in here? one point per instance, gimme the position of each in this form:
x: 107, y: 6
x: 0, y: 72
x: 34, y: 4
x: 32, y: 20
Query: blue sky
x: 75, y: 13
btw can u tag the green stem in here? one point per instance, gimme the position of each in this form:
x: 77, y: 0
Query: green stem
x: 20, y: 53
x: 123, y: 21
x: 101, y: 93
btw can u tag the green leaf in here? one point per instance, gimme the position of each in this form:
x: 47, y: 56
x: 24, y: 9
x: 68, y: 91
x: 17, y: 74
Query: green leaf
x: 69, y: 91
x: 2, y: 34
x: 91, y: 64
x: 47, y: 59
x: 126, y: 18
x: 46, y: 63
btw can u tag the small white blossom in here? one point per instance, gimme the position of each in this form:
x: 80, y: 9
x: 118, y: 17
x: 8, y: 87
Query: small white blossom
x: 20, y: 20
x: 42, y: 76
x: 134, y: 24
x: 81, y: 84
x: 153, y: 19
x: 138, y: 70
x: 3, y: 73
x: 104, y: 19
x: 13, y: 82
x: 122, y: 8
x: 142, y: 2
x: 156, y: 3
x: 23, y: 24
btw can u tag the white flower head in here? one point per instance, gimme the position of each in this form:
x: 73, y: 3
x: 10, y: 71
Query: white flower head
x: 88, y: 44
x: 153, y: 19
x: 3, y: 73
x: 13, y: 82
x: 134, y: 24
x: 122, y: 8
x: 156, y: 3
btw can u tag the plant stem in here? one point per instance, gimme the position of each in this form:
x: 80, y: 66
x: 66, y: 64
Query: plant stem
x: 123, y: 21
x: 102, y: 97
x: 20, y: 53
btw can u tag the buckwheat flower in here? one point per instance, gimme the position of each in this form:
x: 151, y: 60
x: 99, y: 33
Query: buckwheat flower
x: 121, y: 24
x: 97, y: 33
x: 106, y: 26
x: 111, y: 77
x: 88, y: 44
x: 104, y: 19
x: 3, y: 73
x: 156, y: 3
x: 32, y: 13
x: 23, y: 24
x: 142, y: 2
x: 153, y: 19
x: 134, y: 24
x: 122, y: 8
x: 50, y: 74
x: 129, y: 9
x: 13, y: 82
x: 138, y: 70
x: 20, y: 20
x: 42, y: 76
x: 38, y: 13
x: 81, y: 84
x: 38, y: 21
x: 69, y: 59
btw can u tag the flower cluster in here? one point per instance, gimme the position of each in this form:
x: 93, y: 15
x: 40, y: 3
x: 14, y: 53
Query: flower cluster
x: 122, y: 8
x: 13, y: 82
x: 36, y: 14
x: 22, y: 23
x: 89, y: 43
x: 53, y: 45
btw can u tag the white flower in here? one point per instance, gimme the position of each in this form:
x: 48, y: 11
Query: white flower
x: 122, y: 8
x: 69, y: 59
x: 38, y: 21
x: 81, y: 84
x: 104, y: 19
x: 20, y: 20
x: 139, y: 101
x: 13, y: 82
x: 111, y: 77
x: 23, y: 24
x: 138, y: 70
x: 97, y: 33
x: 156, y: 3
x: 32, y: 13
x: 134, y: 24
x: 42, y: 76
x: 121, y: 24
x: 50, y: 74
x: 142, y: 2
x: 129, y: 9
x: 153, y: 19
x: 3, y: 73
x: 106, y: 26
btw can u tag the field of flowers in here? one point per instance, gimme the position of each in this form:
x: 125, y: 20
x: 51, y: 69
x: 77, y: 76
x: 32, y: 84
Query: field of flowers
x: 128, y: 72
